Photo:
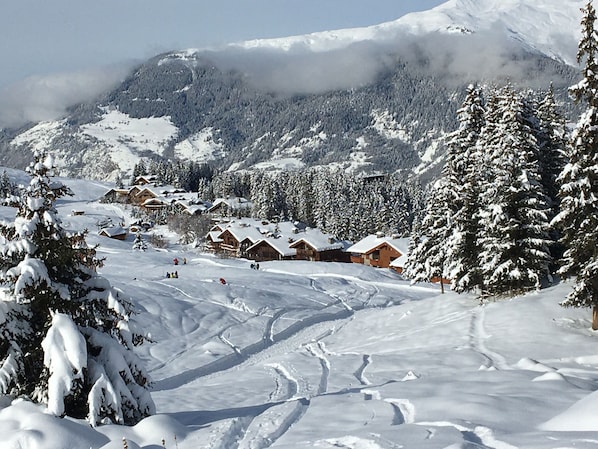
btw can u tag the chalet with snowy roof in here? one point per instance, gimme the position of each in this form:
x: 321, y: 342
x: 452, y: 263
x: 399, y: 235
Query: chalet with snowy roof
x: 271, y: 249
x: 213, y: 241
x: 315, y: 245
x: 114, y: 232
x: 116, y: 195
x: 237, y: 238
x: 379, y: 251
x: 191, y: 207
x: 145, y: 179
x: 231, y: 206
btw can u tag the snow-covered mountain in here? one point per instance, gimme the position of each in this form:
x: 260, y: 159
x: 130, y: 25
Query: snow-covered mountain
x: 548, y: 26
x: 380, y: 98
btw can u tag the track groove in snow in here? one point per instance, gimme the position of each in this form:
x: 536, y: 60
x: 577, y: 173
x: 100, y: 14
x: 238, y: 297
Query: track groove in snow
x: 324, y: 363
x: 359, y: 374
x: 478, y: 336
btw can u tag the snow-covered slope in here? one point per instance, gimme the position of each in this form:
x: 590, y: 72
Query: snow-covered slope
x: 548, y: 26
x: 327, y: 355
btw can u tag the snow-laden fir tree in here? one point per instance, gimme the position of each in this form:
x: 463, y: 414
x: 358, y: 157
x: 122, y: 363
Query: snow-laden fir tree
x: 462, y: 181
x: 66, y: 339
x: 578, y: 219
x: 427, y: 258
x: 514, y: 220
x: 139, y: 243
x: 552, y: 145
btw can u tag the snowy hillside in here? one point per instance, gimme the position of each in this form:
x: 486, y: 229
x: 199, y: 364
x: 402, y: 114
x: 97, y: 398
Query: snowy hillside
x: 550, y: 26
x: 327, y: 355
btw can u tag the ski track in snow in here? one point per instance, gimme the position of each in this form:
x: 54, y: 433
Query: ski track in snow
x: 265, y: 429
x: 287, y: 404
x: 359, y: 374
x: 297, y: 333
x: 267, y: 423
x: 319, y: 352
x: 477, y: 337
x: 404, y: 411
x: 473, y: 438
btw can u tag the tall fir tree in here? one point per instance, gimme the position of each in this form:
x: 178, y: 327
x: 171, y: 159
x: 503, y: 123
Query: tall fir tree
x: 462, y: 174
x: 66, y: 335
x: 552, y: 145
x: 426, y: 261
x: 514, y: 241
x: 578, y: 219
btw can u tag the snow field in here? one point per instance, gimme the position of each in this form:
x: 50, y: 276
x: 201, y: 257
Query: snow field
x: 303, y: 355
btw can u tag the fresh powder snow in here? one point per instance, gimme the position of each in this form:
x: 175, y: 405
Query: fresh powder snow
x: 325, y: 355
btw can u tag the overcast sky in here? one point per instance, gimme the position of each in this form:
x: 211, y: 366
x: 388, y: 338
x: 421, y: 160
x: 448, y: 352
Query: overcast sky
x: 39, y: 37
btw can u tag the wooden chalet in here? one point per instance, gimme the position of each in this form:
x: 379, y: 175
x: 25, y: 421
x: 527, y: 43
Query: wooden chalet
x: 144, y: 179
x: 235, y: 240
x: 230, y: 206
x: 316, y: 246
x: 114, y: 232
x: 270, y: 249
x: 116, y: 195
x: 213, y: 241
x: 379, y: 251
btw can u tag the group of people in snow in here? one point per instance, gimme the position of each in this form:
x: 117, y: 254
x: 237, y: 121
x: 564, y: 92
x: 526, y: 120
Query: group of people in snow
x: 175, y: 274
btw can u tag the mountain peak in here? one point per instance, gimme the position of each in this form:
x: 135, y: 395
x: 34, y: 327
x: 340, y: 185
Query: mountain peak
x: 550, y: 27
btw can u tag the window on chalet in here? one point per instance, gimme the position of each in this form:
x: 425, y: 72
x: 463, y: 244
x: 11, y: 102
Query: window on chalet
x: 376, y: 255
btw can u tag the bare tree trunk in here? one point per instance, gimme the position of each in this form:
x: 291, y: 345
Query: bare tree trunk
x: 595, y: 318
x: 441, y: 285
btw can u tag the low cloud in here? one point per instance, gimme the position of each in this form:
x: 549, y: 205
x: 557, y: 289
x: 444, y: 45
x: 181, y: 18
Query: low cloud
x: 302, y: 71
x: 47, y: 97
x: 487, y: 56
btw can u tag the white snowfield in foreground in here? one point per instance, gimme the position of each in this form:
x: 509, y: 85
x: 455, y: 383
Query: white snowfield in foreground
x: 326, y: 355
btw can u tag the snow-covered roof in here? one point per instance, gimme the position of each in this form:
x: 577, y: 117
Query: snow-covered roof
x: 373, y: 241
x: 281, y: 245
x: 113, y: 231
x: 241, y: 232
x: 400, y: 261
x: 319, y: 240
x: 214, y: 236
x: 233, y: 203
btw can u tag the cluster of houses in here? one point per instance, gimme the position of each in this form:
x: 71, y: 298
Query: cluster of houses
x: 261, y: 241
x: 147, y: 195
x: 255, y: 239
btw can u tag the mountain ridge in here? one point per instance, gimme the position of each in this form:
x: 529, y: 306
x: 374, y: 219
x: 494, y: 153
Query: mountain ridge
x: 371, y: 106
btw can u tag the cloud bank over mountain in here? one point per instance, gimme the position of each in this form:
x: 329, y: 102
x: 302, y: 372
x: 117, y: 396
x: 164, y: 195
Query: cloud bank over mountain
x: 458, y: 41
x: 40, y: 98
x: 485, y: 56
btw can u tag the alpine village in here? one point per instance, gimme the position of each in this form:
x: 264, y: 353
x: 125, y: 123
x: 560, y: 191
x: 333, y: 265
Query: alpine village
x: 509, y: 207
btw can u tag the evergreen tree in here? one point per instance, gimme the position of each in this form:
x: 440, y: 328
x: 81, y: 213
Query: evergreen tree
x: 427, y: 260
x: 138, y: 170
x: 552, y: 145
x: 139, y: 244
x: 462, y: 174
x: 578, y: 219
x: 66, y: 339
x: 514, y: 221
